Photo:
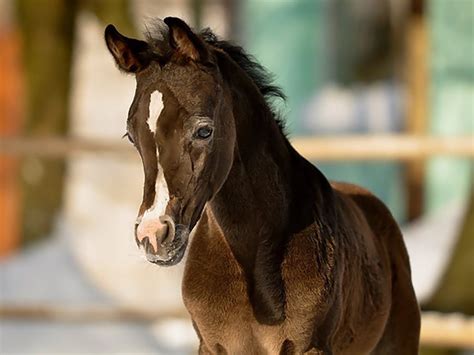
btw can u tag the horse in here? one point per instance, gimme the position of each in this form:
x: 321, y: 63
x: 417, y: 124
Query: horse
x: 280, y: 260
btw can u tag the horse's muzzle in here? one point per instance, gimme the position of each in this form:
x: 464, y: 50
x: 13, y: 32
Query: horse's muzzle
x: 163, y: 242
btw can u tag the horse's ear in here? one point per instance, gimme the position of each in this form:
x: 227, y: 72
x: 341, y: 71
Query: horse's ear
x: 131, y: 55
x: 185, y: 41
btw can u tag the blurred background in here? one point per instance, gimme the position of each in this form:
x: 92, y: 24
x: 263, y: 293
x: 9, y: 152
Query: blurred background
x: 380, y: 93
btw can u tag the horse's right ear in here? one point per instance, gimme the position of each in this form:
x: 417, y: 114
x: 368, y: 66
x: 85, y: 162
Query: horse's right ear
x: 131, y: 55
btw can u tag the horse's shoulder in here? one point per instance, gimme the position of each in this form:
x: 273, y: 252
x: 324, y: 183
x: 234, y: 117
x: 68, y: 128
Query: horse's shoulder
x: 374, y: 219
x: 380, y: 220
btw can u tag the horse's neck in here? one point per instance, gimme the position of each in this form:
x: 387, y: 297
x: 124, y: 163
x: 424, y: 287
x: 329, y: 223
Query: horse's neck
x: 252, y: 210
x: 252, y: 205
x: 270, y: 194
x: 271, y: 191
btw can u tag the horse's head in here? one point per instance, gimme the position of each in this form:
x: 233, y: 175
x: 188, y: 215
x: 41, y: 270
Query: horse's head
x: 187, y: 149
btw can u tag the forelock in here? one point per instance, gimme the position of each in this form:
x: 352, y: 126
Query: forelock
x: 157, y: 36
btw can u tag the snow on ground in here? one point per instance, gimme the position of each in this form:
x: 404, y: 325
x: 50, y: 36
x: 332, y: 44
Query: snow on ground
x: 430, y: 242
x: 49, y: 274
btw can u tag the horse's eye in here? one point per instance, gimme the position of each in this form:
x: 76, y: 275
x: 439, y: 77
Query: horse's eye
x: 127, y: 135
x: 204, y: 132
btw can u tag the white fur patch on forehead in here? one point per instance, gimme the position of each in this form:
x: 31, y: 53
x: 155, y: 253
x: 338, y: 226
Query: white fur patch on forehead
x: 156, y: 105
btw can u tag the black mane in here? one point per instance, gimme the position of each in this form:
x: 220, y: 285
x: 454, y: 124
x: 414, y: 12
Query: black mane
x: 259, y: 75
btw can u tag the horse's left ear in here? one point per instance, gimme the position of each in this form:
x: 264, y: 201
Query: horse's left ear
x: 185, y: 41
x: 131, y: 55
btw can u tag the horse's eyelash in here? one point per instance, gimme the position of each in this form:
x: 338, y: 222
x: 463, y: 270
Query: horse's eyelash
x: 127, y: 135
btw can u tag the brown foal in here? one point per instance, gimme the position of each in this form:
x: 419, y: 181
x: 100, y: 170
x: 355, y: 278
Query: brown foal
x: 280, y: 261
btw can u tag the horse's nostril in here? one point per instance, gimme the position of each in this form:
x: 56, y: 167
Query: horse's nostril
x: 168, y: 234
x: 146, y: 244
x: 155, y: 235
x: 162, y: 234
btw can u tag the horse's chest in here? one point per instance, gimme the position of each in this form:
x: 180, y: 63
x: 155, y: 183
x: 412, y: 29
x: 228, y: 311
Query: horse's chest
x: 215, y: 294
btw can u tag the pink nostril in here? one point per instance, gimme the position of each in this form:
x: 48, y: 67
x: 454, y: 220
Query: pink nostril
x: 149, y: 228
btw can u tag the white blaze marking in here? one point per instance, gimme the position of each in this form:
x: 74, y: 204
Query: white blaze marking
x: 156, y: 105
x: 150, y: 223
x: 162, y: 196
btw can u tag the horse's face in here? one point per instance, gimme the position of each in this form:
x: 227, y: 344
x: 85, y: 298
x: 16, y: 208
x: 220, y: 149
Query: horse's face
x: 187, y: 149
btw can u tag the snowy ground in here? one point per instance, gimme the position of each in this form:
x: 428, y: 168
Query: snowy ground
x: 50, y: 275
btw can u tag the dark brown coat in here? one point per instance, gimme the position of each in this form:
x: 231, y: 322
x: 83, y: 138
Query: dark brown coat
x: 281, y: 261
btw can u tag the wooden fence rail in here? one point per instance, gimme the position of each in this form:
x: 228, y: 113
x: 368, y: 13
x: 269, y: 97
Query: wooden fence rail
x: 362, y: 147
x: 447, y: 330
x: 438, y: 329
